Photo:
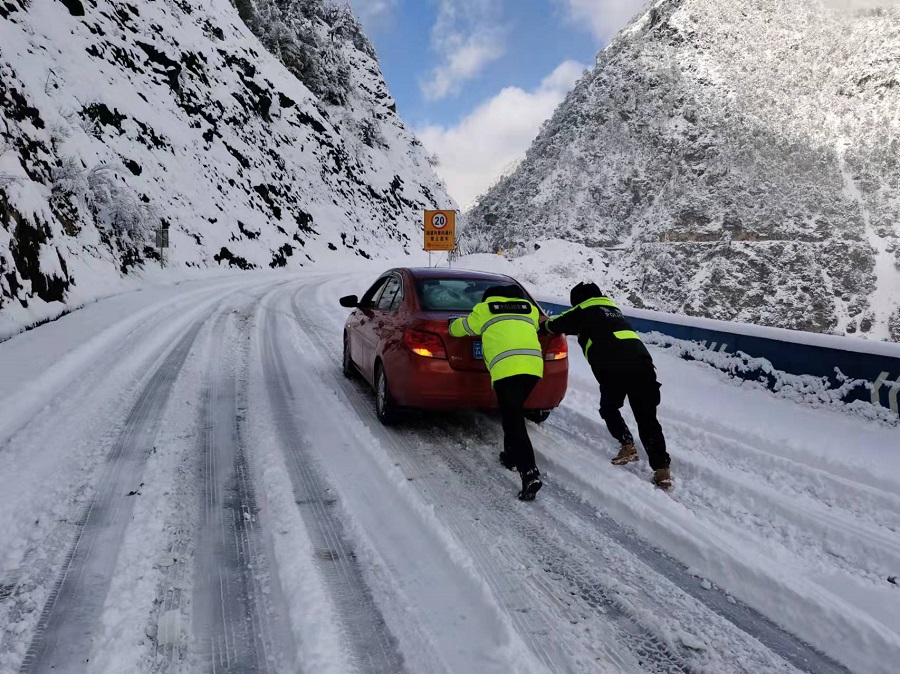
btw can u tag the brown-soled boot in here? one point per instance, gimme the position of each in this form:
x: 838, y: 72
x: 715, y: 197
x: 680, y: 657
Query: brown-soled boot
x: 627, y: 454
x: 662, y: 478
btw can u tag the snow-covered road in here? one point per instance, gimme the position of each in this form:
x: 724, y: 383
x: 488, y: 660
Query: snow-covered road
x: 188, y: 483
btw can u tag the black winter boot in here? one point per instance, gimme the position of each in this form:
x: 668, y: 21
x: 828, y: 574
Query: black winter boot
x: 531, y: 484
x: 507, y: 460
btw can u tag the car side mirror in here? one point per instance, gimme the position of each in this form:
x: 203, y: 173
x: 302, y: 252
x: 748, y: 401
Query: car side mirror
x: 350, y: 301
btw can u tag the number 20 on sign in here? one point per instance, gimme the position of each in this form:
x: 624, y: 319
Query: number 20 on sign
x: 440, y: 230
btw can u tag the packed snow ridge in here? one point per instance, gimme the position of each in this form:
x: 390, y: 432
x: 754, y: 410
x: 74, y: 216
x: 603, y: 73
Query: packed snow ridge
x: 730, y: 160
x: 262, y: 134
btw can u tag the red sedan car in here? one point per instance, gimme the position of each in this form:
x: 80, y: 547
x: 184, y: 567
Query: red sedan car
x: 397, y: 337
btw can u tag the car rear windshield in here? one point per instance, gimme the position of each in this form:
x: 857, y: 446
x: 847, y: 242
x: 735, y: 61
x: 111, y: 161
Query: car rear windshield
x: 452, y: 294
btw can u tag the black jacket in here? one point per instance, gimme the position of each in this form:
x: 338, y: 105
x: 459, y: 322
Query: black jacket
x: 607, y: 339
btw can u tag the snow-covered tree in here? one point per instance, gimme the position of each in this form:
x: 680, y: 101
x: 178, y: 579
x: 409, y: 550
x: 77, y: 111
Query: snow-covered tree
x: 306, y: 35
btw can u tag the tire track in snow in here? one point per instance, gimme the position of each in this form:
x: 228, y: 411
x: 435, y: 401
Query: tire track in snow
x: 168, y: 631
x: 80, y: 369
x: 835, y: 485
x: 547, y: 639
x: 238, y: 628
x: 62, y: 639
x: 781, y: 466
x: 824, y: 501
x: 727, y: 486
x: 583, y: 586
x: 570, y: 591
x: 80, y: 387
x: 781, y: 642
x: 374, y: 647
x: 591, y: 541
x: 800, y: 525
x: 784, y: 464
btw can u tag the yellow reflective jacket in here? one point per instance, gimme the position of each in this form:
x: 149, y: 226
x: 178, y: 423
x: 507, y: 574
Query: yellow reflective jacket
x: 508, y: 329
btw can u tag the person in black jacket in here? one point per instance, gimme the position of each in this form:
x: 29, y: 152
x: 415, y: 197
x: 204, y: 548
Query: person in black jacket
x: 623, y: 368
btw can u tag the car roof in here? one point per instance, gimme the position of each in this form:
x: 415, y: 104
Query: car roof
x: 444, y: 272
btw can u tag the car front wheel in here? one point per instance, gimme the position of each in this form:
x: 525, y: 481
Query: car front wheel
x: 385, y: 407
x: 349, y: 367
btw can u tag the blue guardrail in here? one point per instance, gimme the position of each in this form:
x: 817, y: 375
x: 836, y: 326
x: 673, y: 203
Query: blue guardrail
x: 881, y: 372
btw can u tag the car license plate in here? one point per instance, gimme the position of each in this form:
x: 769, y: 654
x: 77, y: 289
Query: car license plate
x: 477, y: 350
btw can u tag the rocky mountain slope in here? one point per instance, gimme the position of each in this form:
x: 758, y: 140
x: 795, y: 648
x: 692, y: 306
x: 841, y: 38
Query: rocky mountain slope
x: 260, y: 132
x: 729, y: 159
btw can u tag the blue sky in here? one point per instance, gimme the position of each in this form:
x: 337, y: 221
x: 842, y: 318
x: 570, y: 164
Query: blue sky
x: 476, y: 78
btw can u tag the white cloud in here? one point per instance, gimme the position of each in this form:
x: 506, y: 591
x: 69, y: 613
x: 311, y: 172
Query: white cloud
x: 370, y: 12
x: 467, y: 36
x: 462, y: 63
x: 604, y: 18
x: 497, y: 133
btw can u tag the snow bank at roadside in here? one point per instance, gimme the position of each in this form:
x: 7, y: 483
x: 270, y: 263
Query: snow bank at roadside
x: 15, y: 319
x: 760, y: 373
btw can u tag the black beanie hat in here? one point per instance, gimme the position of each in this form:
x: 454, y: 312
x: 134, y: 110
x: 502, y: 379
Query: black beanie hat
x: 510, y: 290
x: 583, y: 292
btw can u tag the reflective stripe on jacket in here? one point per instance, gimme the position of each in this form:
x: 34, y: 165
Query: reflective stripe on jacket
x: 508, y: 329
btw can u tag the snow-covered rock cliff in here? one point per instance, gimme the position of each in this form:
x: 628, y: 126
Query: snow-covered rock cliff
x: 729, y: 159
x: 261, y: 133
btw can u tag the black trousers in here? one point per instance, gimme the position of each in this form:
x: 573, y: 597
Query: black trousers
x: 512, y: 392
x: 641, y: 388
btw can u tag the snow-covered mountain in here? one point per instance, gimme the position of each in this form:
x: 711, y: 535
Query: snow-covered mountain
x: 729, y: 159
x: 261, y: 132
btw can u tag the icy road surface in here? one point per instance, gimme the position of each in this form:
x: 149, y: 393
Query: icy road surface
x: 188, y: 484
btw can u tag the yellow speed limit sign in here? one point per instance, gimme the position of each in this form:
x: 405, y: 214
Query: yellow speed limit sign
x: 440, y: 230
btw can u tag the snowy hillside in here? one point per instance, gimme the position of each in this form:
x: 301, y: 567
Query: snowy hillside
x: 729, y: 159
x: 261, y: 133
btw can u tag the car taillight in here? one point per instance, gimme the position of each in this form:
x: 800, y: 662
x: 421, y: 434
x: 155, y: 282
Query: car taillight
x: 426, y: 344
x: 557, y: 348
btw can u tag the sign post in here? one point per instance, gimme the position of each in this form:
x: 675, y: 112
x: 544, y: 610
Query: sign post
x: 440, y: 232
x: 162, y: 242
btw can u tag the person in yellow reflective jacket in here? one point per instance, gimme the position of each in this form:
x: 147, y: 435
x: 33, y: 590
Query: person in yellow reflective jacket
x: 507, y: 324
x: 623, y: 368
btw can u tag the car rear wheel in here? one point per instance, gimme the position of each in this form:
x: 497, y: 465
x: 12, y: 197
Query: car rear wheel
x: 385, y: 407
x: 349, y: 367
x: 537, y: 416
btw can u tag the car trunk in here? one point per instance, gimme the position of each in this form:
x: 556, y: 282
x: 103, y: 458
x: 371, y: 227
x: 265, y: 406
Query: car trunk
x: 461, y: 351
